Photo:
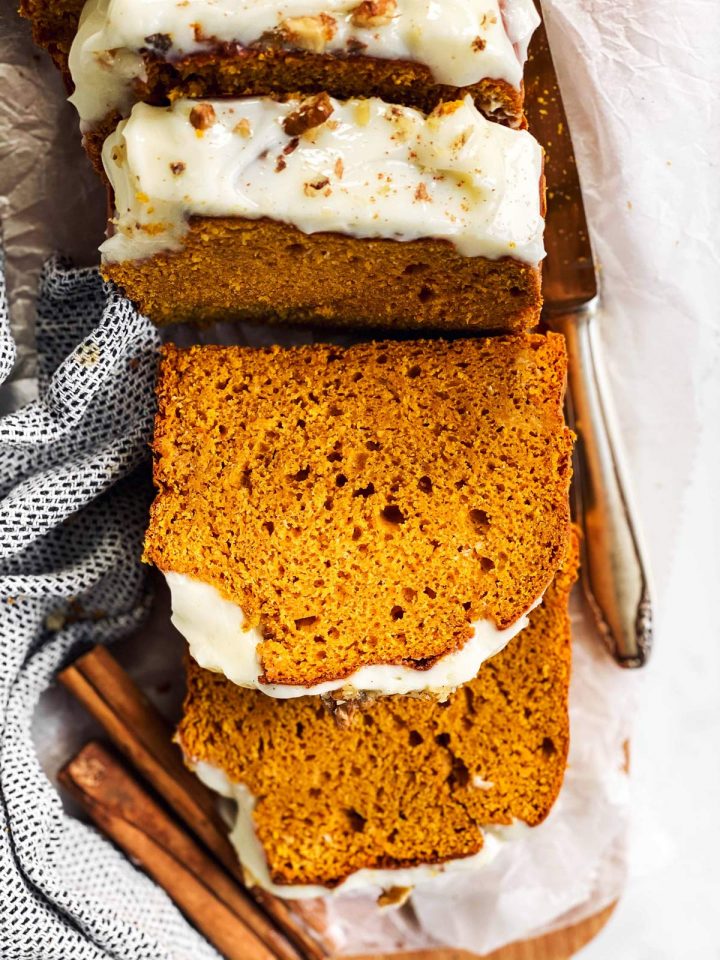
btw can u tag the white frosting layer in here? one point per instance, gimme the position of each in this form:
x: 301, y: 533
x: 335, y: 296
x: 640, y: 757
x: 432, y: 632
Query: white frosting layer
x: 252, y: 857
x: 460, y: 41
x: 371, y: 170
x: 215, y: 630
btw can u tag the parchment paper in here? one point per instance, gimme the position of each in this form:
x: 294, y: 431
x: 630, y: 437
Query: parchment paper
x: 569, y: 867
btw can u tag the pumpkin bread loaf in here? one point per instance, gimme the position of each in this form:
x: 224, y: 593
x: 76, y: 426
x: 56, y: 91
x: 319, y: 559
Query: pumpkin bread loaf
x: 386, y: 503
x: 402, y: 781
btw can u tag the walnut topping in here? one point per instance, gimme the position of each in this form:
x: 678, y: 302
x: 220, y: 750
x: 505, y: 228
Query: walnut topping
x: 394, y: 897
x: 422, y: 194
x: 159, y: 42
x: 202, y: 116
x: 373, y: 13
x: 345, y: 714
x: 309, y: 33
x: 280, y: 164
x: 177, y: 167
x: 199, y: 33
x: 313, y: 187
x: 311, y: 113
x: 478, y: 44
x: 242, y: 127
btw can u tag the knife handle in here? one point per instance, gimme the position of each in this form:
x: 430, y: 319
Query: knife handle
x: 614, y: 575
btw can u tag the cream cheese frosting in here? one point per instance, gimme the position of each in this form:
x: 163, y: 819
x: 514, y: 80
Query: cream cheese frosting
x: 219, y: 640
x: 252, y: 856
x: 460, y: 41
x: 368, y: 169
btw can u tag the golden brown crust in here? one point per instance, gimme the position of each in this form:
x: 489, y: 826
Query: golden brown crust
x: 364, y: 505
x: 397, y: 787
x: 231, y: 70
x: 266, y: 271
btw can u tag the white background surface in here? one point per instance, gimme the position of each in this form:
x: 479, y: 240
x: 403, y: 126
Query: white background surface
x: 641, y: 80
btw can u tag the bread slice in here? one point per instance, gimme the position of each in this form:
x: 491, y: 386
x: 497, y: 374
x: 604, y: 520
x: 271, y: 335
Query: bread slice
x: 339, y: 509
x: 347, y: 50
x: 402, y: 782
x: 327, y: 212
x: 263, y: 271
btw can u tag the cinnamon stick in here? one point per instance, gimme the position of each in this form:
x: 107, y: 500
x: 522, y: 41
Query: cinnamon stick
x: 128, y: 815
x: 141, y: 733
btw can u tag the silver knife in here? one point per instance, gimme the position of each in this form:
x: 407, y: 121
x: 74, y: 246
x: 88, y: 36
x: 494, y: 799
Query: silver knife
x: 613, y: 572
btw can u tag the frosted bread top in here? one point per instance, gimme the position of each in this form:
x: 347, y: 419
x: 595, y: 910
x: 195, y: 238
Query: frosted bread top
x: 460, y: 41
x: 363, y: 168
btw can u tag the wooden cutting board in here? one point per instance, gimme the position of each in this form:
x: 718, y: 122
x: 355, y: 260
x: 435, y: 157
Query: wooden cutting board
x: 560, y: 945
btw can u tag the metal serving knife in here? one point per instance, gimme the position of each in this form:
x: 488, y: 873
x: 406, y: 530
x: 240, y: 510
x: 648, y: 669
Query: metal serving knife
x: 613, y: 572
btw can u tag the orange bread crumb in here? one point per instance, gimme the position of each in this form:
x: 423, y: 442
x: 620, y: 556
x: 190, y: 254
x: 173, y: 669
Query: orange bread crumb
x: 406, y: 781
x: 364, y: 505
x: 263, y: 270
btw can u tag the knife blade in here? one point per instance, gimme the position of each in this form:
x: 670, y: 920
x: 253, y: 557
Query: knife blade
x: 614, y: 574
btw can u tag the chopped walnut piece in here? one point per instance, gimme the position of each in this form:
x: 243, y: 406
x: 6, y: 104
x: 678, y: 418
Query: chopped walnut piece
x: 478, y: 44
x: 310, y: 33
x: 242, y: 127
x: 202, y: 116
x: 422, y: 194
x: 313, y: 187
x: 373, y: 13
x: 394, y: 897
x: 177, y: 167
x: 345, y: 714
x: 311, y: 113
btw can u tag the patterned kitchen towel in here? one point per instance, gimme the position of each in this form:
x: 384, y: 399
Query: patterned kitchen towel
x: 74, y: 492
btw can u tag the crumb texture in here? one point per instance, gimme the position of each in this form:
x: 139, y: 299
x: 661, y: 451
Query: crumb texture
x: 402, y: 781
x: 264, y: 271
x: 364, y: 505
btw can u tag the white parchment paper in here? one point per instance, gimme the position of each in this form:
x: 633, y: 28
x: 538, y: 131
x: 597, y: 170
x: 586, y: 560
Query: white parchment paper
x: 574, y: 863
